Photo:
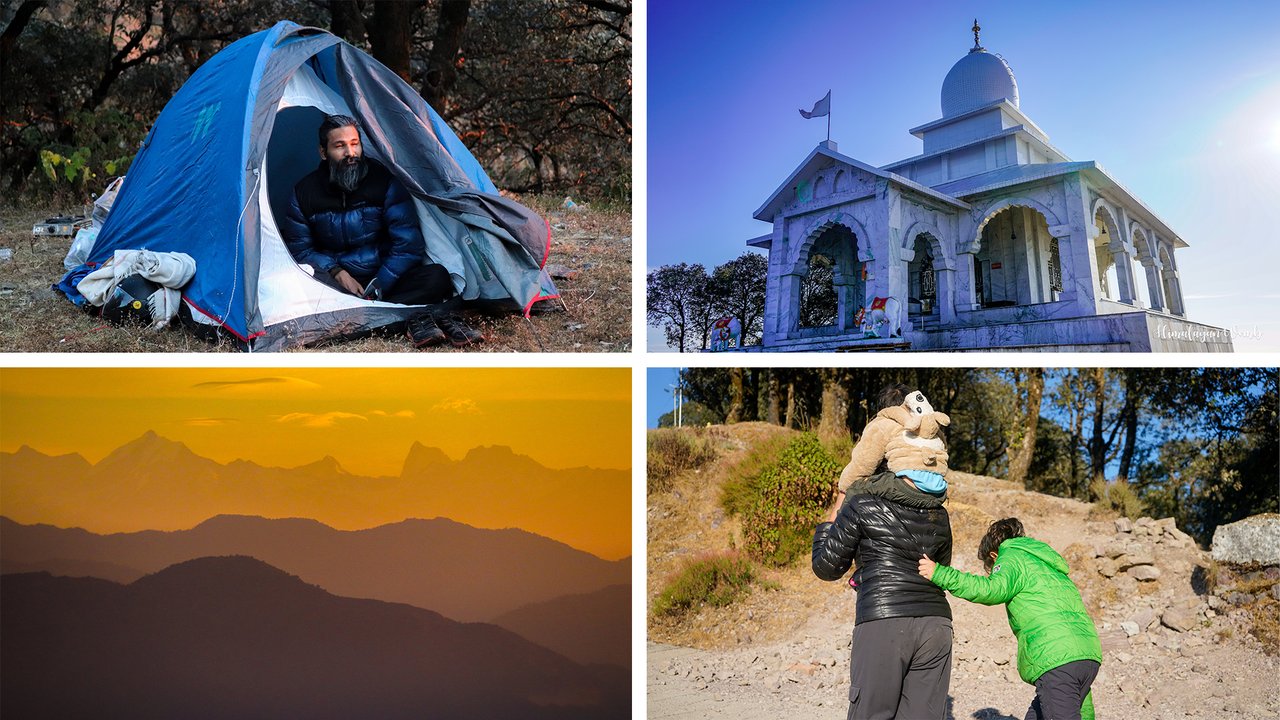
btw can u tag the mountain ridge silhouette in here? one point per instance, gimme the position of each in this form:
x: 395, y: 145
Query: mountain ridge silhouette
x: 463, y: 572
x: 232, y: 636
x: 156, y: 483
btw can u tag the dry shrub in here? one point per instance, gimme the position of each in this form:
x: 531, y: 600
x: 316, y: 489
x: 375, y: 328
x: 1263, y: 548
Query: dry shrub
x: 1119, y: 497
x: 1264, y: 624
x: 716, y: 580
x: 672, y: 451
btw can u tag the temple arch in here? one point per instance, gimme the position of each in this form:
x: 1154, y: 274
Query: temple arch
x: 923, y: 296
x: 1016, y: 261
x: 1051, y: 219
x: 1148, y: 286
x: 799, y: 260
x: 1108, y: 249
x: 829, y: 285
x: 921, y: 227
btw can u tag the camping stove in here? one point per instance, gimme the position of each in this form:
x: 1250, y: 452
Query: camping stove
x: 61, y: 226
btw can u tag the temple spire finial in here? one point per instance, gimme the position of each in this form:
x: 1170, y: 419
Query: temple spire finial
x: 977, y: 46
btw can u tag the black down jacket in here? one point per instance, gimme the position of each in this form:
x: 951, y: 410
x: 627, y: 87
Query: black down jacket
x: 885, y: 525
x: 371, y: 232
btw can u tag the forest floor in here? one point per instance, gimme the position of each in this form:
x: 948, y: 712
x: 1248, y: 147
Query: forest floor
x: 590, y: 263
x: 782, y: 653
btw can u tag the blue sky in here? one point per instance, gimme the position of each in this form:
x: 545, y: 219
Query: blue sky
x: 1179, y: 101
x: 658, y: 394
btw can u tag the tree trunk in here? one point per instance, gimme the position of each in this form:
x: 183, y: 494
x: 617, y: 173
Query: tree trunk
x: 1020, y: 462
x: 775, y: 393
x: 389, y: 35
x: 791, y: 404
x: 835, y: 405
x: 346, y: 21
x: 1077, y: 439
x: 1129, y: 418
x: 1097, y: 447
x: 9, y: 39
x: 734, y: 413
x: 442, y: 64
x: 751, y: 394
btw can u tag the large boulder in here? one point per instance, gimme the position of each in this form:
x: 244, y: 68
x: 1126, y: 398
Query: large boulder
x: 1252, y: 541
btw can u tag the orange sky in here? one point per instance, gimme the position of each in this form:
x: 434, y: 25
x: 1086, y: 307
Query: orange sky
x: 366, y: 418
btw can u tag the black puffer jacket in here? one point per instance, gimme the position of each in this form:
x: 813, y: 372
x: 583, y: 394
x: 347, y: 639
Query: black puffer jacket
x: 885, y: 525
x: 371, y: 232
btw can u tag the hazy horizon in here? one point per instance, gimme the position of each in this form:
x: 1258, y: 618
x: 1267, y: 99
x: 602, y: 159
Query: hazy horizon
x: 547, y: 451
x: 363, y: 417
x: 104, y: 453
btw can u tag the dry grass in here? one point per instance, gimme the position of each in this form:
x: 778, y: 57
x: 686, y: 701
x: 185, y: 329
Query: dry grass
x: 594, y: 246
x: 1264, y: 624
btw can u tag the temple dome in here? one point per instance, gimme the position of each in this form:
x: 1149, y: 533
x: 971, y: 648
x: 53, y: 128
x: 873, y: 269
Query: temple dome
x: 979, y: 78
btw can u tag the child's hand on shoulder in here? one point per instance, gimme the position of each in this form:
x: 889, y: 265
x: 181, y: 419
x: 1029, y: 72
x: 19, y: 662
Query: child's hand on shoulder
x: 927, y: 567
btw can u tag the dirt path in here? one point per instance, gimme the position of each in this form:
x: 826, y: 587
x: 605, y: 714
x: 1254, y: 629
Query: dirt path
x: 784, y: 653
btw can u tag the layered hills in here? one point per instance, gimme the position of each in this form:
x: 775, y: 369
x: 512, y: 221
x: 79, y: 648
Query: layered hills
x: 236, y: 637
x: 153, y: 483
x: 461, y: 572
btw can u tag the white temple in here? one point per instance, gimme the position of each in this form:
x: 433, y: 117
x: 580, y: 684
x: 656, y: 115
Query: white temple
x: 990, y: 239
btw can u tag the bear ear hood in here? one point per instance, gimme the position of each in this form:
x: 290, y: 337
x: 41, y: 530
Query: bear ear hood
x: 901, y: 415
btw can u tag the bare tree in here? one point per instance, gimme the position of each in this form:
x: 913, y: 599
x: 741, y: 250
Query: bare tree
x: 835, y: 404
x: 1031, y: 390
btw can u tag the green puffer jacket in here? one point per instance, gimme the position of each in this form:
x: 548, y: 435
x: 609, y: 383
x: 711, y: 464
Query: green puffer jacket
x: 1045, y: 611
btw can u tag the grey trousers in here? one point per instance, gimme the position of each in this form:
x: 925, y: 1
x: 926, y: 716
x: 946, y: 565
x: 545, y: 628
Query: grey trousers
x: 1060, y: 692
x: 900, y: 668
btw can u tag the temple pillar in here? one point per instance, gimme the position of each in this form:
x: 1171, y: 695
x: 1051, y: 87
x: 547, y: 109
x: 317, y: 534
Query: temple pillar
x: 944, y: 278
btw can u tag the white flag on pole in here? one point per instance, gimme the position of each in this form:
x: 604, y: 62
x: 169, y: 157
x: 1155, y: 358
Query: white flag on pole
x: 820, y: 108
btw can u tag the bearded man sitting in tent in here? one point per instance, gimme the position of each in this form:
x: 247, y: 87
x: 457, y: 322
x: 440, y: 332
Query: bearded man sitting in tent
x: 355, y: 225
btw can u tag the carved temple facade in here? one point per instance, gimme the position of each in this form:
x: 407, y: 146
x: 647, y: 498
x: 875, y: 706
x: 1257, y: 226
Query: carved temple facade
x: 990, y: 239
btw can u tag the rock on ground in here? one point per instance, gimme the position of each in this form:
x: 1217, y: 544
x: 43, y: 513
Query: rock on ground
x: 1254, y: 540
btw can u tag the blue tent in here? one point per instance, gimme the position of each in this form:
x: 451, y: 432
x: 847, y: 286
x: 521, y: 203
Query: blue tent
x: 222, y: 158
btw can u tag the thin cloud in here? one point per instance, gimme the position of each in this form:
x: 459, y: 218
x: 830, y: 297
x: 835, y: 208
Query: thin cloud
x: 457, y: 406
x: 208, y: 421
x: 256, y: 383
x: 319, y: 420
x: 400, y: 414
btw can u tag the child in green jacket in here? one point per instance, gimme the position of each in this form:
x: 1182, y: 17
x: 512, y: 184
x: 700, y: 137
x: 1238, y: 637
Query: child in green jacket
x: 1058, y: 648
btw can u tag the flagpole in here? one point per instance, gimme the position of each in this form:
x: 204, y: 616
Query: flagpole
x: 828, y: 119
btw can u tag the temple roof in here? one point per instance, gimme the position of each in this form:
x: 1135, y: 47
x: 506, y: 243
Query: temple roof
x: 1009, y: 175
x: 824, y: 151
x: 966, y: 188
